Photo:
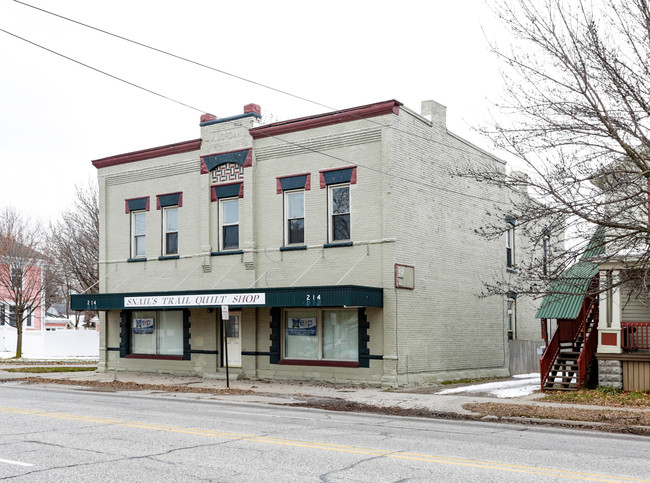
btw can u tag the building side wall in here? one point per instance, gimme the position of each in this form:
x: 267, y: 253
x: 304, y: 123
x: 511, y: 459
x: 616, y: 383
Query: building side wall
x: 443, y: 327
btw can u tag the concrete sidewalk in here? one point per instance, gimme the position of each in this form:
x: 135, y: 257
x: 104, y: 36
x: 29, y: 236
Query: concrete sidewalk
x: 249, y: 391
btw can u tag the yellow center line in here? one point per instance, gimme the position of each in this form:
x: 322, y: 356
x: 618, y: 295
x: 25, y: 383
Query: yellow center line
x: 328, y: 446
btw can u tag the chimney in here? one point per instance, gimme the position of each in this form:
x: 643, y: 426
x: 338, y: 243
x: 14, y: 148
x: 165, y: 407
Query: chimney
x: 208, y: 117
x: 252, y: 108
x: 434, y: 112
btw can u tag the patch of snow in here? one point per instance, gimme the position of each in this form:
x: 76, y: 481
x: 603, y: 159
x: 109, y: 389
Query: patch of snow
x: 520, y: 385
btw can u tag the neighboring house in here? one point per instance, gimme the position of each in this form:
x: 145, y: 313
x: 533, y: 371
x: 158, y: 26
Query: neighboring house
x: 340, y: 244
x: 34, y: 321
x: 56, y: 318
x: 601, y: 338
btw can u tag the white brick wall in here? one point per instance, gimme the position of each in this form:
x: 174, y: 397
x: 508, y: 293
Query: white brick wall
x: 406, y: 208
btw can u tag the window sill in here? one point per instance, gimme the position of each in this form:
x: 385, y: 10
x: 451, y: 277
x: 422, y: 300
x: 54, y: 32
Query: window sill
x: 300, y: 362
x: 339, y: 244
x: 168, y: 257
x: 227, y: 252
x: 292, y: 248
x: 131, y: 260
x: 154, y: 356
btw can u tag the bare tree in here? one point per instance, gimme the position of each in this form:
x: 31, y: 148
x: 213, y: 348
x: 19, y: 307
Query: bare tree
x: 21, y: 282
x: 74, y: 245
x: 575, y: 116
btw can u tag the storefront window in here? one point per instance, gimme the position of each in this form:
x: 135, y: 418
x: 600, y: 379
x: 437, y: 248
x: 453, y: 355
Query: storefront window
x: 301, y: 334
x: 321, y: 334
x: 157, y: 332
x: 340, y: 335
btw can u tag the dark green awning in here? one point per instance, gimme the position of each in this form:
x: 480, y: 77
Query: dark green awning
x: 325, y: 296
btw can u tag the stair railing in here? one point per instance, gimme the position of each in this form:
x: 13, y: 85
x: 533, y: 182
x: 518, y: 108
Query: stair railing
x: 553, y: 349
x: 548, y: 358
x: 589, y: 345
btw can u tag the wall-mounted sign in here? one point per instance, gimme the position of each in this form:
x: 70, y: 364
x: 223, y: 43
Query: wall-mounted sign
x: 302, y: 326
x: 143, y: 326
x: 207, y: 300
x: 404, y: 276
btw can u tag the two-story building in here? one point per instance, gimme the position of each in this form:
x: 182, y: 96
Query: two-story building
x: 341, y: 245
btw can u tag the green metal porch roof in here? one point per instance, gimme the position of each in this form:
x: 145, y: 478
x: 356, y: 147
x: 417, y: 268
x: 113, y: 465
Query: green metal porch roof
x: 316, y: 296
x: 566, y: 294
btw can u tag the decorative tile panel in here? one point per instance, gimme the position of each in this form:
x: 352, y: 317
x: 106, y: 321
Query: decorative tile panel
x: 227, y: 172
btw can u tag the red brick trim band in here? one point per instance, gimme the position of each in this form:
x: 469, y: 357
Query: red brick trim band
x: 157, y: 152
x: 327, y: 119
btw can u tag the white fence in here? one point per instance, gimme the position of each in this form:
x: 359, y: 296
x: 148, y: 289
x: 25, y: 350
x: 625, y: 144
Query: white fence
x: 54, y: 344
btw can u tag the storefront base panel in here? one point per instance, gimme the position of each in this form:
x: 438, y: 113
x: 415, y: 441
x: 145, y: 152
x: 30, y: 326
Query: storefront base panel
x: 198, y: 366
x: 410, y: 379
x: 203, y: 365
x: 344, y: 375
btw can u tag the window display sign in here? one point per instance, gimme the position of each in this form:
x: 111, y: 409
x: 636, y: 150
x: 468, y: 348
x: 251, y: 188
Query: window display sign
x: 302, y: 326
x: 143, y: 326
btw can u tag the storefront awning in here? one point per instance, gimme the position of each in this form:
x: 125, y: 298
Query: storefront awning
x: 326, y: 296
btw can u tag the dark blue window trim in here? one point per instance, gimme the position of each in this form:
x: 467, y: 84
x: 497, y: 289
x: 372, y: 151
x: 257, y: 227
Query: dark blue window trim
x: 288, y: 249
x: 332, y: 245
x: 138, y: 204
x: 293, y: 182
x: 232, y: 252
x: 172, y: 199
x: 227, y: 191
x: 169, y: 257
x: 136, y: 260
x: 238, y: 157
x: 338, y: 176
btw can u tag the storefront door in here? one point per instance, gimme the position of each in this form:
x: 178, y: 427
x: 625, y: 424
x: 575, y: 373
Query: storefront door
x: 233, y: 339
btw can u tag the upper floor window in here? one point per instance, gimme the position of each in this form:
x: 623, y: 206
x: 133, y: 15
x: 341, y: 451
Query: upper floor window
x: 229, y: 223
x: 294, y: 212
x: 17, y: 276
x: 169, y: 204
x: 338, y: 182
x: 510, y: 241
x: 137, y: 208
x: 138, y: 234
x: 170, y: 227
x: 339, y: 211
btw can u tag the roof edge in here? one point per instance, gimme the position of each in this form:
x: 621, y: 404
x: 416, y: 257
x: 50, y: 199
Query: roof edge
x: 327, y: 119
x: 157, y: 152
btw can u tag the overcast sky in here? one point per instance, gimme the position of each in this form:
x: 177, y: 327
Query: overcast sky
x: 57, y: 116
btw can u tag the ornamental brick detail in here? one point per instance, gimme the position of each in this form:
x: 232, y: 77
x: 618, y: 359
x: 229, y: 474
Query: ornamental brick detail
x: 227, y: 172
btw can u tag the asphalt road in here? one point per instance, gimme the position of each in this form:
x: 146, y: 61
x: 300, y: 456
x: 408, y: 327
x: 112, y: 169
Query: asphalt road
x: 81, y: 434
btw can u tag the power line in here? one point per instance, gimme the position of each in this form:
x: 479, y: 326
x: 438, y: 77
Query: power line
x: 440, y: 188
x: 101, y: 71
x: 235, y: 76
x: 179, y: 57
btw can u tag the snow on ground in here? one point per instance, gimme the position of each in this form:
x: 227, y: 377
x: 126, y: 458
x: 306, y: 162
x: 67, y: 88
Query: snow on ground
x: 520, y: 385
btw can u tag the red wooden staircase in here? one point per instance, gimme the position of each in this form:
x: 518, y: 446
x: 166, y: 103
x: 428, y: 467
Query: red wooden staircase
x: 566, y: 363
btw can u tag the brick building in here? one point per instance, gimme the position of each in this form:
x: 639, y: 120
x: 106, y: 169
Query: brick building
x: 340, y: 243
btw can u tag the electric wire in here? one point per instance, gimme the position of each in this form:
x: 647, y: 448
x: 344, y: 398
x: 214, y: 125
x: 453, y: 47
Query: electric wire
x: 244, y: 79
x: 101, y: 71
x: 411, y: 180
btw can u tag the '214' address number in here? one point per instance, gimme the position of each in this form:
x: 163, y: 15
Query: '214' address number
x: 313, y: 299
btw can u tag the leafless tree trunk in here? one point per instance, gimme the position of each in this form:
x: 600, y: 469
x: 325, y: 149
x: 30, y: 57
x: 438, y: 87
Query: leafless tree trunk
x: 20, y: 268
x: 74, y: 244
x: 575, y: 118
